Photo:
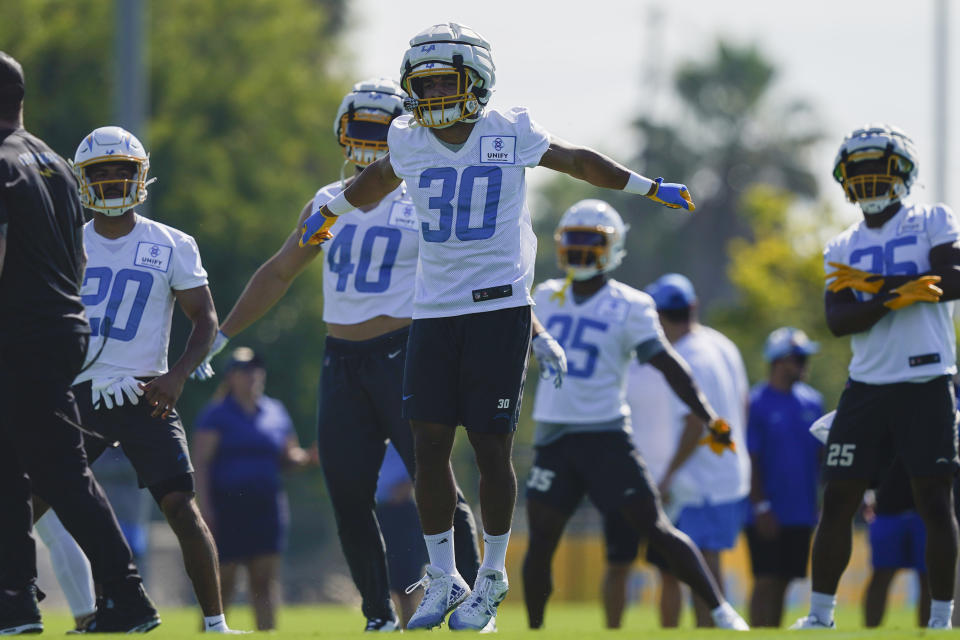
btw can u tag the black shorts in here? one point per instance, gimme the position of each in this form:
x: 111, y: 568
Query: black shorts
x: 604, y: 465
x: 156, y: 447
x: 468, y: 369
x: 785, y: 556
x: 876, y: 423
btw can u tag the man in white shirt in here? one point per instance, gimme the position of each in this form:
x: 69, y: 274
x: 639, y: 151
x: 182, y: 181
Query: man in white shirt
x: 892, y: 279
x: 472, y: 319
x: 709, y: 490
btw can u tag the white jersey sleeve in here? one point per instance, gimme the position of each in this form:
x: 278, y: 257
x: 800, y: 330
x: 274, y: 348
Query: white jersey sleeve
x: 477, y: 246
x: 128, y: 295
x: 370, y: 265
x: 917, y: 342
x: 598, y: 336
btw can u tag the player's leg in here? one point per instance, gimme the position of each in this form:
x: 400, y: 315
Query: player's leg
x: 546, y: 525
x: 493, y: 366
x: 888, y: 544
x: 859, y: 445
x: 51, y: 453
x: 875, y: 596
x: 229, y: 574
x: 623, y: 545
x: 264, y: 589
x: 351, y: 444
x: 71, y: 568
x: 926, y: 440
x: 553, y: 492
x: 388, y: 374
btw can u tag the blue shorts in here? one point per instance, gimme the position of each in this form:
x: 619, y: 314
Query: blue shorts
x: 714, y: 527
x: 249, y: 523
x: 898, y: 542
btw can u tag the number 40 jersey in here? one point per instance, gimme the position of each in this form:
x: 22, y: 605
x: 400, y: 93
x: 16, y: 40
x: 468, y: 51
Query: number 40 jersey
x: 128, y: 295
x: 599, y: 337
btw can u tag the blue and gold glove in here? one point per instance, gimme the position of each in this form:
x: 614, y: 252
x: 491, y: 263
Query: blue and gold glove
x: 673, y: 195
x: 316, y: 229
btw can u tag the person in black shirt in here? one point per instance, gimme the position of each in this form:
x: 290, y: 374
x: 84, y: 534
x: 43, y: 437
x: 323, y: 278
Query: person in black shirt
x: 43, y: 341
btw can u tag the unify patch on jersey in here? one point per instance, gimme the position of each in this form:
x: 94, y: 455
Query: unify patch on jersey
x: 613, y: 309
x: 153, y: 256
x: 911, y: 224
x: 403, y: 215
x: 498, y: 149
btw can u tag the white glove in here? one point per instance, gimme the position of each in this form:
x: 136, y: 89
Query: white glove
x: 205, y: 371
x: 550, y: 355
x: 821, y: 428
x: 112, y: 390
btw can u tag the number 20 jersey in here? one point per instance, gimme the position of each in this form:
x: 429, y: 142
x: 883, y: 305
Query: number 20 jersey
x: 130, y: 281
x: 599, y: 337
x: 477, y: 246
x: 370, y: 264
x: 916, y: 342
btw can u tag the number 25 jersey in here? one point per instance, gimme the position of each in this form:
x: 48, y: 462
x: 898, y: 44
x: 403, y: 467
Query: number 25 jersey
x: 477, y: 246
x: 599, y: 337
x: 916, y: 342
x: 128, y: 295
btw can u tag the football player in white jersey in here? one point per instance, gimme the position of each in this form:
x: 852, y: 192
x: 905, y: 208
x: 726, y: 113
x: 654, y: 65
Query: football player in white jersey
x: 890, y: 277
x: 137, y: 269
x: 464, y: 165
x: 368, y: 274
x: 582, y: 441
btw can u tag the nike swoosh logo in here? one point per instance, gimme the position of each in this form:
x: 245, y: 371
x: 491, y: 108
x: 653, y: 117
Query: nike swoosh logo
x: 408, y: 397
x: 394, y: 354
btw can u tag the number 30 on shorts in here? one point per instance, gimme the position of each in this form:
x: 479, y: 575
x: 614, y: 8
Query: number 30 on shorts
x: 840, y: 455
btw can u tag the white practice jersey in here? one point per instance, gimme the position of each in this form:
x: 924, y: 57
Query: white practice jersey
x: 599, y: 337
x: 653, y: 416
x: 477, y: 245
x: 720, y: 374
x: 370, y: 265
x: 917, y: 342
x: 128, y: 294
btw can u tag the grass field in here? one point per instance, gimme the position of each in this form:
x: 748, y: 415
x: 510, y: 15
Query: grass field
x: 574, y: 621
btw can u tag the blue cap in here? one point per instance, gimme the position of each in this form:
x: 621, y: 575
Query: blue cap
x: 787, y: 341
x: 671, y: 292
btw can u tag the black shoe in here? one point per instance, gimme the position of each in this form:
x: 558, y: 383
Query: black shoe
x: 127, y: 611
x: 382, y: 624
x: 19, y: 612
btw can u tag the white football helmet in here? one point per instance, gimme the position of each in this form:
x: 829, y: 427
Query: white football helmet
x: 876, y: 166
x: 448, y: 49
x: 590, y: 237
x: 111, y: 144
x: 364, y: 117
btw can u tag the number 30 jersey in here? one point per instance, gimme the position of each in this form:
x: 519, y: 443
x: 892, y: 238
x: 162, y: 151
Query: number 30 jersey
x: 128, y: 295
x: 477, y: 246
x: 370, y: 264
x: 916, y: 342
x: 599, y: 337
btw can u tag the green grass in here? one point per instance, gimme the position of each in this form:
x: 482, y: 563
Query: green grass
x: 574, y: 621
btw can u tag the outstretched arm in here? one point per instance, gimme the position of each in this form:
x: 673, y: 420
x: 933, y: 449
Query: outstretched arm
x: 591, y: 166
x: 271, y: 281
x: 372, y: 185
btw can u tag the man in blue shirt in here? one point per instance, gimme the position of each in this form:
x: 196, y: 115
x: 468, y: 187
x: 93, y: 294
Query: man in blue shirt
x: 786, y: 460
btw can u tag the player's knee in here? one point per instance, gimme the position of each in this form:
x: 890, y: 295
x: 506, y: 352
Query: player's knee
x: 180, y: 510
x: 840, y: 501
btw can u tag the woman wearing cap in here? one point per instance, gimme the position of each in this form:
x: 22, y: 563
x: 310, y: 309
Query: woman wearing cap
x: 243, y: 440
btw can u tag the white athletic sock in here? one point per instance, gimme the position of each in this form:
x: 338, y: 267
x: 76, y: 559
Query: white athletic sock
x: 440, y: 551
x: 69, y: 565
x: 822, y: 606
x: 495, y: 552
x: 215, y: 623
x: 941, y: 609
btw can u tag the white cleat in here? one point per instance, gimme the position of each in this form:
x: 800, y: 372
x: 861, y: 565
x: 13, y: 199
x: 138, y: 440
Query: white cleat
x: 939, y: 623
x: 812, y: 622
x: 479, y: 611
x: 442, y: 593
x: 726, y: 617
